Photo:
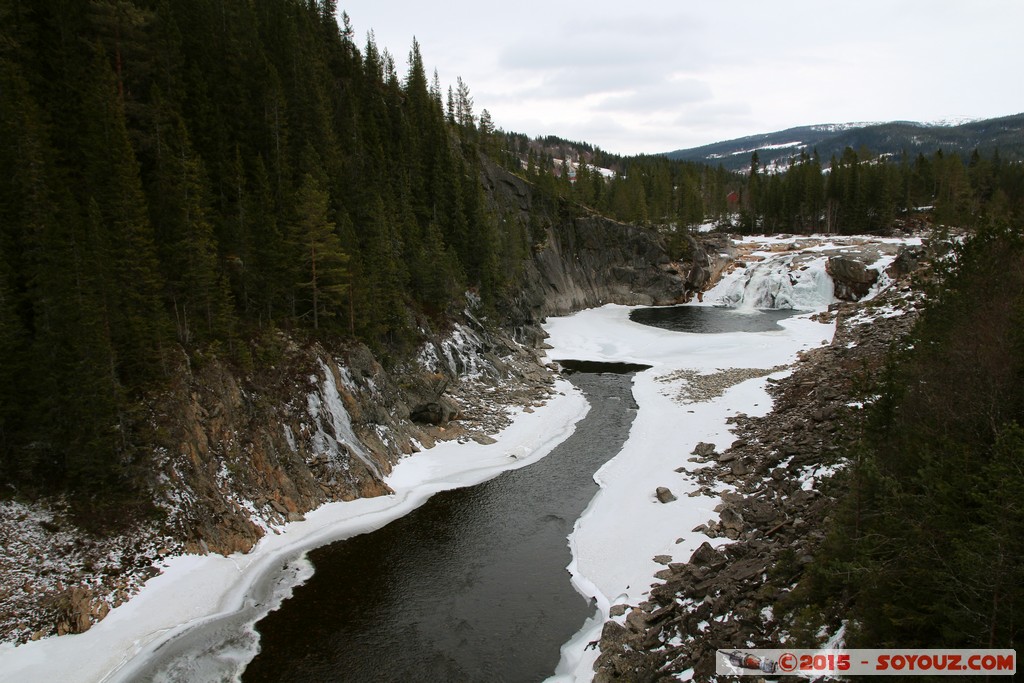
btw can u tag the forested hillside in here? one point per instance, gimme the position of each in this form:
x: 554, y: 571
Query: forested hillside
x: 863, y: 192
x: 856, y: 191
x: 927, y: 547
x: 181, y: 178
x: 1005, y: 134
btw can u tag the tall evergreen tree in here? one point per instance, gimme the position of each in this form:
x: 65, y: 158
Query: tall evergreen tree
x: 267, y: 276
x: 324, y: 274
x: 181, y: 216
x: 132, y: 280
x: 14, y: 369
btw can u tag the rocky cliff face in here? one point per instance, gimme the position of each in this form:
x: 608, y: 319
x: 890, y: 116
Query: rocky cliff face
x: 584, y: 260
x: 242, y: 456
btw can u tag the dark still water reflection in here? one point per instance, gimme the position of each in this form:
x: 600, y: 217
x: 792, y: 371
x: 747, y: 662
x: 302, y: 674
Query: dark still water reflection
x: 711, y: 319
x: 472, y: 586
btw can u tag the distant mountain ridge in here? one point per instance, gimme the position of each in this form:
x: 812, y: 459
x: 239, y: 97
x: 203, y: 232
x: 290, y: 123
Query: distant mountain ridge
x: 775, y: 149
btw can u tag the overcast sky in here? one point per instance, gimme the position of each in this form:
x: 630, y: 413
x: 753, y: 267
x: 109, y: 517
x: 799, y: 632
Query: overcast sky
x: 648, y: 76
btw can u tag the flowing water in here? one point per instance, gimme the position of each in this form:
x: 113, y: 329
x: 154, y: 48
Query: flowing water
x: 472, y: 586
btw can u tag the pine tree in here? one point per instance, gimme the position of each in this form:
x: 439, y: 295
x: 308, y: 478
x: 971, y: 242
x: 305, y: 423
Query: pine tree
x: 94, y: 427
x: 752, y: 214
x: 488, y: 138
x: 583, y: 190
x: 464, y: 107
x: 71, y: 405
x: 438, y: 276
x: 324, y: 273
x: 267, y: 275
x: 25, y: 215
x: 12, y: 367
x: 181, y: 217
x: 131, y: 278
x: 384, y: 280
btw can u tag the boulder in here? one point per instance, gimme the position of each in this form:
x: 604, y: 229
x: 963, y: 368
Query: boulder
x: 909, y: 258
x: 749, y: 568
x: 704, y: 450
x: 700, y: 272
x: 731, y: 519
x: 706, y: 556
x: 664, y: 495
x: 438, y: 412
x: 852, y: 279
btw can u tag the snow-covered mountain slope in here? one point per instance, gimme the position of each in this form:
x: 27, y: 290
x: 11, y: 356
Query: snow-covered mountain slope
x: 775, y: 149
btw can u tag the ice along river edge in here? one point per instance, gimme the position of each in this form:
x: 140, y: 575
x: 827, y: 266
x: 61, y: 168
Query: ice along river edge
x: 625, y: 527
x: 194, y: 589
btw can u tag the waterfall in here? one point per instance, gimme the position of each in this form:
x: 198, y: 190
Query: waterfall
x: 788, y: 281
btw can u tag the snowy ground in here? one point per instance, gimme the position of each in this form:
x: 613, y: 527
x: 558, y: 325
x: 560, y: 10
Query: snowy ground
x: 625, y: 527
x: 196, y: 589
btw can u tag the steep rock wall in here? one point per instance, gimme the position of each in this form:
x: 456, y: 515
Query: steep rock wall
x: 584, y: 259
x: 243, y: 455
x: 239, y: 456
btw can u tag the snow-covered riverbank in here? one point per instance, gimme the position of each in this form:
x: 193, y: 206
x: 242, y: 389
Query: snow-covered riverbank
x: 625, y: 527
x: 193, y: 590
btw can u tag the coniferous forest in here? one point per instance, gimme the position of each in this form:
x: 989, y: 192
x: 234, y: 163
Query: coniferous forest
x: 858, y: 192
x: 185, y: 177
x: 926, y: 546
x: 189, y: 175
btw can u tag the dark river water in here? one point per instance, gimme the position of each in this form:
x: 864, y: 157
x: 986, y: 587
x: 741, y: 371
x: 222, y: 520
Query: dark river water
x: 711, y: 319
x: 472, y: 586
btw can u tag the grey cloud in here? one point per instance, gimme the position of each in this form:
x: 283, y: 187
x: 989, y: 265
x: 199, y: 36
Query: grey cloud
x: 659, y: 97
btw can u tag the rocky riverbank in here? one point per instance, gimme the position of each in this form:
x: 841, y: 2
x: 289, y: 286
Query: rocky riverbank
x: 773, y: 485
x: 240, y: 457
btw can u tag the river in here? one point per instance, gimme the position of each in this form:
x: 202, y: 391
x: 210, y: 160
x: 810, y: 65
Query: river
x: 472, y: 586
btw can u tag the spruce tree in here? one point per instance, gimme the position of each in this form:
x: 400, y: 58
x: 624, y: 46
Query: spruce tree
x: 12, y: 368
x: 131, y: 275
x: 324, y: 273
x: 181, y: 217
x: 268, y: 276
x: 384, y: 285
